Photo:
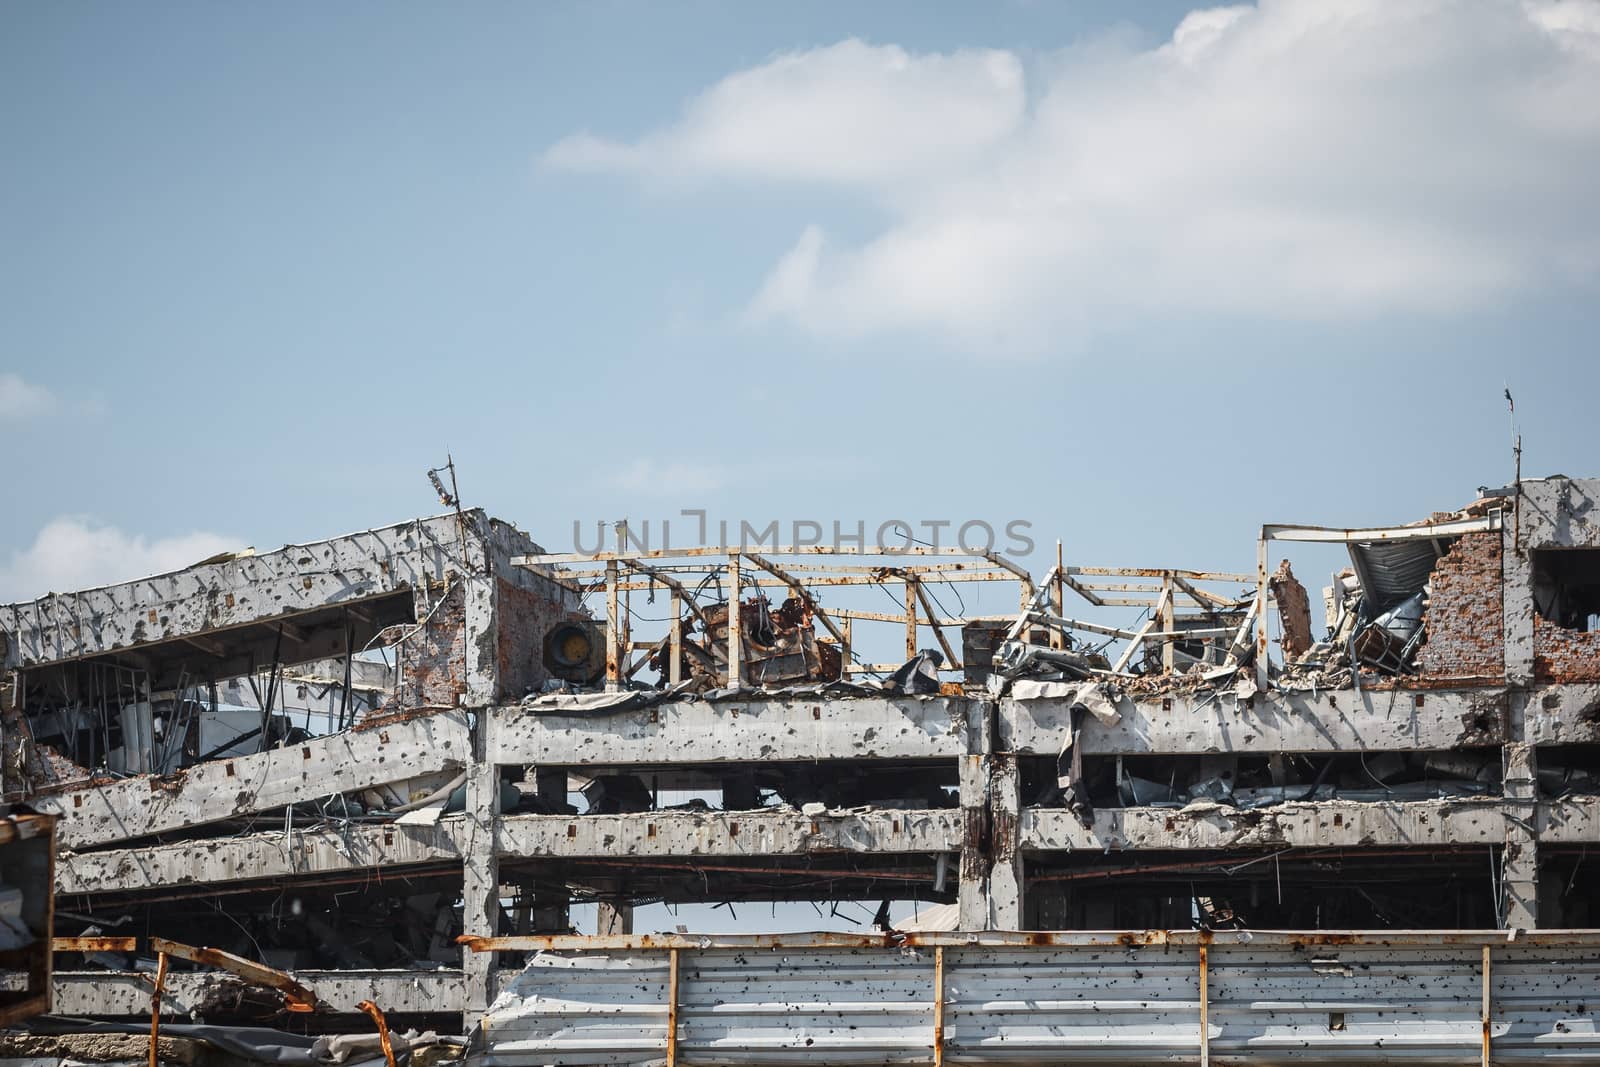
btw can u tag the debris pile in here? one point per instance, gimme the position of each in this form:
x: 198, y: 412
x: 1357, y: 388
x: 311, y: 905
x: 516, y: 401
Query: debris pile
x: 779, y: 647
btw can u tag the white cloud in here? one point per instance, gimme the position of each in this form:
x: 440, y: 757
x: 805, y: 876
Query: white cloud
x: 1299, y: 158
x: 824, y: 115
x: 21, y: 400
x: 72, y: 553
x: 667, y: 478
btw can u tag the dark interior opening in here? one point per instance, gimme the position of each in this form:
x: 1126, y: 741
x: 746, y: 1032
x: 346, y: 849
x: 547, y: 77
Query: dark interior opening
x: 1566, y: 587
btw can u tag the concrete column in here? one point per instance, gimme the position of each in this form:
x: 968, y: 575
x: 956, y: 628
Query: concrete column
x: 612, y: 915
x: 481, y: 654
x: 614, y: 919
x: 480, y: 883
x: 550, y: 911
x: 1516, y: 584
x: 972, y: 891
x: 1519, y: 870
x: 1005, y: 826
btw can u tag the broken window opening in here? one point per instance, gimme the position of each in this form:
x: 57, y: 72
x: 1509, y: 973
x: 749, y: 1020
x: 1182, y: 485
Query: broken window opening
x: 1566, y: 587
x: 1248, y: 782
x: 1265, y: 889
x: 908, y: 785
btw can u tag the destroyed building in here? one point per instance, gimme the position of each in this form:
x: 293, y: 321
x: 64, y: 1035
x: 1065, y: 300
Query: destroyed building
x: 387, y: 767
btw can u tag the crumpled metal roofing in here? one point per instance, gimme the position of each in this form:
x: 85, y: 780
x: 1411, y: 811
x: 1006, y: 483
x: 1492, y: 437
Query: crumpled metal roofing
x: 1393, y: 571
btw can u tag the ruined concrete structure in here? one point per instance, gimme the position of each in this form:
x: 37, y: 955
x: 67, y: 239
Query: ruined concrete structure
x: 1431, y: 763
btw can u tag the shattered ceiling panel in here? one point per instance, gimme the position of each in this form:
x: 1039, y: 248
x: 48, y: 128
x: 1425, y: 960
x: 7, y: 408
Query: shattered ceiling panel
x: 1394, y: 571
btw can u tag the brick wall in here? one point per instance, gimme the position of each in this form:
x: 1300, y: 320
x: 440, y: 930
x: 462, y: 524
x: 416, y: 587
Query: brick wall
x: 433, y: 665
x: 1561, y: 655
x: 1464, y: 639
x: 524, y: 617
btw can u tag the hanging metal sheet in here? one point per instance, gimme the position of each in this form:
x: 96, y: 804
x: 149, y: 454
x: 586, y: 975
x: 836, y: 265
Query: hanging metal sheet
x: 1393, y: 571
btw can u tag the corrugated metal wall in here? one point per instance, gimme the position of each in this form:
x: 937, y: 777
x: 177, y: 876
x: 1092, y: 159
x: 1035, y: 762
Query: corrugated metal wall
x: 1268, y: 999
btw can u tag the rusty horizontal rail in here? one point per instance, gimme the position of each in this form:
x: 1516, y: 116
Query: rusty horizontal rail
x: 1588, y: 939
x: 94, y: 944
x: 1158, y: 572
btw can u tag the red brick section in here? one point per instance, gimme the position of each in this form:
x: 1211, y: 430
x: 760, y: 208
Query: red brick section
x: 1464, y: 640
x: 1564, y: 655
x: 1294, y: 611
x: 433, y: 668
x: 524, y: 617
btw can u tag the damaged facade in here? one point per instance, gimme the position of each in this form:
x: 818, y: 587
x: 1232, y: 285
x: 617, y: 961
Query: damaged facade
x: 391, y: 764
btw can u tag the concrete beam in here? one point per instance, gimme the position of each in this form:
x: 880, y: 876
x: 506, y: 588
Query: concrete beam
x: 239, y: 591
x: 223, y: 789
x: 739, y: 732
x: 1562, y: 715
x: 782, y: 832
x: 1329, y: 824
x: 216, y: 861
x: 127, y: 993
x: 1519, y: 870
x: 1330, y: 721
x: 480, y: 877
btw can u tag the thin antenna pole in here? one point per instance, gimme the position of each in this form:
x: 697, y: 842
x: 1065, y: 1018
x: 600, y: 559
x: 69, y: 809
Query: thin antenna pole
x: 1516, y: 457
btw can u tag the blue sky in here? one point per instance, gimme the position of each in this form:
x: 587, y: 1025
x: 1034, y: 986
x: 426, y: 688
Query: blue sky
x: 1145, y: 283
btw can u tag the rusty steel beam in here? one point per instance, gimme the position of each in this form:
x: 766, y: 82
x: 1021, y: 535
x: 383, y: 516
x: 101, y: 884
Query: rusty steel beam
x: 383, y: 1029
x: 296, y: 997
x: 1159, y: 572
x: 938, y: 632
x: 94, y: 944
x: 155, y: 1007
x: 1027, y: 939
x: 878, y: 578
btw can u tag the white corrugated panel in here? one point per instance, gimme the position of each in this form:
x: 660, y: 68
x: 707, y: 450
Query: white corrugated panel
x: 1543, y: 1005
x: 586, y: 1010
x: 1414, y: 1004
x: 1270, y: 999
x: 856, y: 1005
x: 1118, y: 1005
